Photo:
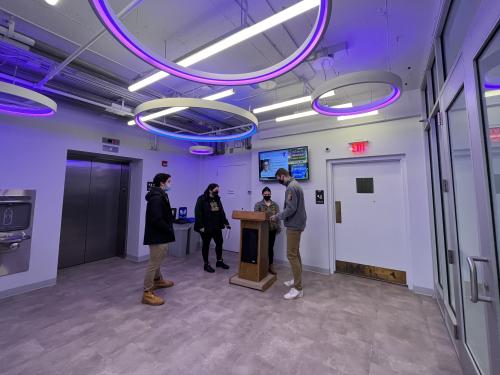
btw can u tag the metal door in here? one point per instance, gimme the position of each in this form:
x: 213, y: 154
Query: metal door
x: 94, y: 211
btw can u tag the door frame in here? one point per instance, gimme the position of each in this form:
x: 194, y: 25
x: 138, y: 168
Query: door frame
x: 464, y: 76
x: 330, y: 200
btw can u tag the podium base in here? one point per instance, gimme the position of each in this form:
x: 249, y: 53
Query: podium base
x: 262, y: 285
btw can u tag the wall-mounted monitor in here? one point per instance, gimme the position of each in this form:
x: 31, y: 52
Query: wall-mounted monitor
x: 295, y: 159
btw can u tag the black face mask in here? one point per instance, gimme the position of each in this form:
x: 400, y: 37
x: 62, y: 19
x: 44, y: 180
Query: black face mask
x: 282, y: 182
x: 215, y: 193
x: 267, y: 198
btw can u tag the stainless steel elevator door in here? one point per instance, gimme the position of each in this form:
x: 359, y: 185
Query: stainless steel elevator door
x: 94, y: 212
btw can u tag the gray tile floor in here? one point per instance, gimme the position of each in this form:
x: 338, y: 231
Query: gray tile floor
x: 92, y: 323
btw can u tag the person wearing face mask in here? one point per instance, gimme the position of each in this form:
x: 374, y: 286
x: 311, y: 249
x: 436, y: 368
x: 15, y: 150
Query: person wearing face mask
x: 271, y: 208
x: 294, y: 216
x: 210, y: 219
x: 159, y: 231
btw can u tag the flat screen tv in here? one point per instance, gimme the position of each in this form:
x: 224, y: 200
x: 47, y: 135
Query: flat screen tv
x: 295, y: 159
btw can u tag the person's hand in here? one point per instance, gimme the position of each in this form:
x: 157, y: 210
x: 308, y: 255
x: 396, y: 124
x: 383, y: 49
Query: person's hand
x: 202, y: 230
x: 274, y: 218
x: 228, y: 226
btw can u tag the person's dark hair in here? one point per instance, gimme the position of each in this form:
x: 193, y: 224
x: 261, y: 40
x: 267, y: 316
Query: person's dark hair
x: 210, y: 187
x: 159, y: 178
x: 266, y: 189
x: 282, y: 172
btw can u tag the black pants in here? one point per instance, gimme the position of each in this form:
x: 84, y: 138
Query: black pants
x: 272, y: 238
x: 216, y: 234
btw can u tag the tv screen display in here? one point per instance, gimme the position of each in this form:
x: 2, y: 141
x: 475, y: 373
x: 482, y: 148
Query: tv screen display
x: 295, y: 160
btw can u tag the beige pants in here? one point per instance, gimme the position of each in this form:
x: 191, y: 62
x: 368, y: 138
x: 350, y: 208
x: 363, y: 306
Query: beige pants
x: 293, y: 255
x: 157, y: 254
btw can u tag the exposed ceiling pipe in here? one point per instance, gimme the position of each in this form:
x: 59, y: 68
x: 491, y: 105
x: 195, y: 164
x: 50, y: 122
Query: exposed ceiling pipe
x: 106, y: 107
x: 84, y: 47
x: 9, y: 33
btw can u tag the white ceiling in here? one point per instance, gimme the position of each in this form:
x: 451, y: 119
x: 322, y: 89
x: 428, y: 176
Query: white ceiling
x: 402, y: 45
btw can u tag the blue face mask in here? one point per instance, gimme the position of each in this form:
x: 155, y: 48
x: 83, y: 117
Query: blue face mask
x: 166, y: 187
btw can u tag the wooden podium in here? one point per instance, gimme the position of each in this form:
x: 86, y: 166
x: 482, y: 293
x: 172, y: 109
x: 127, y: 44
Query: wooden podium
x: 254, y: 242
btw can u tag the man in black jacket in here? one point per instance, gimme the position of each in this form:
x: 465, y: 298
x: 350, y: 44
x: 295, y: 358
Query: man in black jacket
x: 159, y: 231
x: 210, y: 220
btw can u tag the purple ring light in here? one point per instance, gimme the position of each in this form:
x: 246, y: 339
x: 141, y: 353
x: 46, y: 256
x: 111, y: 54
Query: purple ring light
x: 201, y: 150
x: 196, y: 103
x: 381, y: 77
x: 110, y: 20
x: 45, y: 106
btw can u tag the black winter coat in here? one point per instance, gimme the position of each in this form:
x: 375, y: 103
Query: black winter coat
x: 159, y: 221
x: 204, y: 216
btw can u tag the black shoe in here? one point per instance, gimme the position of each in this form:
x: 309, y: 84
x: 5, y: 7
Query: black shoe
x: 220, y: 263
x: 208, y: 268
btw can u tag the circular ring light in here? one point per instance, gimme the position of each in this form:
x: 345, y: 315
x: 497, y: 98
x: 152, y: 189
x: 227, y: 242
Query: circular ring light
x: 44, y: 106
x: 110, y: 20
x: 351, y: 79
x: 201, y: 150
x: 196, y: 103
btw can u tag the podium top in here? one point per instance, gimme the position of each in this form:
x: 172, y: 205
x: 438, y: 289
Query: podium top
x: 249, y: 215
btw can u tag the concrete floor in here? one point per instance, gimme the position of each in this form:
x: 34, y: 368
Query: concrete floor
x: 92, y: 323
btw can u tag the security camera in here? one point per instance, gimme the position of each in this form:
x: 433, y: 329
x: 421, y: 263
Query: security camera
x: 327, y: 149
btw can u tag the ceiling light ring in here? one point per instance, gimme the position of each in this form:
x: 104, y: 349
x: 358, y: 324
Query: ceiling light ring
x: 382, y: 77
x: 47, y: 106
x: 110, y: 20
x: 195, y: 103
x: 201, y: 150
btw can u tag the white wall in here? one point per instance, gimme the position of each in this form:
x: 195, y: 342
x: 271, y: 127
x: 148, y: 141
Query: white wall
x: 397, y: 137
x: 33, y: 156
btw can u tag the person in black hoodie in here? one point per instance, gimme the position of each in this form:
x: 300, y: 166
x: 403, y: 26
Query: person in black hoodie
x: 210, y: 220
x: 159, y: 231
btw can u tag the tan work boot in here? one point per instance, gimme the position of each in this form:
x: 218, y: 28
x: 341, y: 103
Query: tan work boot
x: 162, y: 283
x: 149, y: 298
x: 272, y: 271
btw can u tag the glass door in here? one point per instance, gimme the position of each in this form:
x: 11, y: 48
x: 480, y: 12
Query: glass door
x: 474, y: 326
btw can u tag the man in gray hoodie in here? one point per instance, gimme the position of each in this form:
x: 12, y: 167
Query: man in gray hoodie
x: 294, y: 216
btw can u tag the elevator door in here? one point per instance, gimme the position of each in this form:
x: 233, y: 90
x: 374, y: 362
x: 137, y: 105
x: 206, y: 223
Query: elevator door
x: 94, y: 210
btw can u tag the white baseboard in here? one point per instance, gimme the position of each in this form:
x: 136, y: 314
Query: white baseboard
x: 423, y: 290
x: 136, y: 259
x: 27, y: 288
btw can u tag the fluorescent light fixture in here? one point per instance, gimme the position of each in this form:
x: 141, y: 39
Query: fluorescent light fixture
x: 220, y: 95
x: 490, y: 93
x: 296, y: 115
x: 272, y: 107
x: 288, y: 103
x: 232, y: 40
x: 348, y: 117
x: 52, y: 2
x: 169, y: 111
x: 308, y: 113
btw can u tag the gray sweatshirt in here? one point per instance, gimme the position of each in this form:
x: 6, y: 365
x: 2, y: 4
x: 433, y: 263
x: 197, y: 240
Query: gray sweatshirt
x: 294, y: 211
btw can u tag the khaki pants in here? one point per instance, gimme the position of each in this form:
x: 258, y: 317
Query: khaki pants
x: 157, y: 254
x: 293, y: 255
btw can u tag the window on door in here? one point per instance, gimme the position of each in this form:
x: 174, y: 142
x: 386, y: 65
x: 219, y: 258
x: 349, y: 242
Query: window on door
x: 489, y: 81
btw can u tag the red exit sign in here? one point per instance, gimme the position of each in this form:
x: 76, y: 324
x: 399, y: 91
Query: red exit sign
x: 358, y: 147
x: 495, y: 135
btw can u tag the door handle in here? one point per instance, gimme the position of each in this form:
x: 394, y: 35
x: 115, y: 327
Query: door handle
x: 474, y: 293
x: 338, y: 212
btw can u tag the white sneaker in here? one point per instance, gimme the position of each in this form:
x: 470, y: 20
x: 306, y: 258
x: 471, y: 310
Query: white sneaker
x: 289, y: 283
x: 294, y: 294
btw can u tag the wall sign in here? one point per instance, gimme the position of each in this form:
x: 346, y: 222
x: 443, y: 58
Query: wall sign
x: 109, y: 148
x: 358, y: 147
x: 164, y: 163
x: 320, y: 197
